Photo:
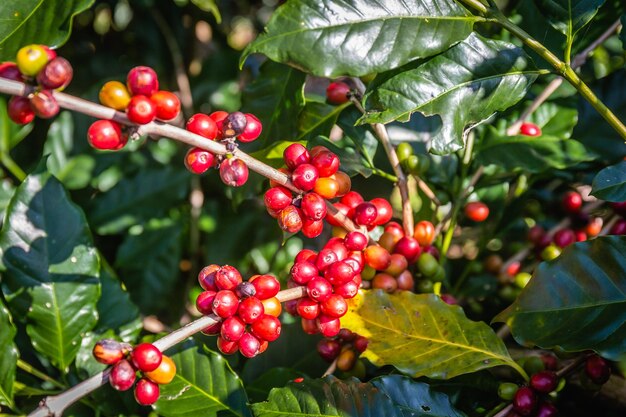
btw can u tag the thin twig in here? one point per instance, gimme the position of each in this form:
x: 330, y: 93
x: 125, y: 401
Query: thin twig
x: 330, y: 369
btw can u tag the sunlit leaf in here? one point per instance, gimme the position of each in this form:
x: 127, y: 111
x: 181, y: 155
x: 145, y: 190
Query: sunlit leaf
x: 8, y: 356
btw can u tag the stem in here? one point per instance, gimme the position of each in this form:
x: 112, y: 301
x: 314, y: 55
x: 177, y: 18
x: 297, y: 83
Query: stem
x: 384, y: 175
x: 13, y: 167
x: 55, y: 405
x: 330, y: 369
x: 158, y: 129
x: 27, y: 367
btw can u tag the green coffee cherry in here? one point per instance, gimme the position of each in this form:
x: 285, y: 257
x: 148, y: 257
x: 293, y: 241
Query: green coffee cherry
x: 425, y: 286
x: 440, y: 275
x: 533, y: 364
x: 521, y: 279
x: 507, y: 390
x: 404, y: 150
x: 427, y: 265
x: 550, y: 252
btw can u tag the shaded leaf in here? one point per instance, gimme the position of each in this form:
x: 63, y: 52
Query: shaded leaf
x: 147, y: 195
x: 52, y: 267
x: 8, y: 356
x: 416, y: 398
x: 6, y: 191
x: 422, y: 336
x: 46, y: 22
x: 204, y: 385
x: 327, y: 397
x: 259, y: 389
x: 610, y: 183
x: 317, y: 118
x: 361, y: 136
x: 359, y: 37
x: 577, y: 301
x: 276, y: 97
x: 352, y: 162
x: 555, y: 119
x: 569, y: 16
x: 530, y: 154
x: 463, y: 86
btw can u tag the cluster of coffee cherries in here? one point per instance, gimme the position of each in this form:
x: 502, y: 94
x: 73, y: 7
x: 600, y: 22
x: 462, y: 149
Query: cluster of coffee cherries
x: 40, y: 66
x: 316, y: 173
x: 142, y: 101
x: 248, y: 310
x: 155, y: 368
x: 345, y: 348
x: 226, y: 128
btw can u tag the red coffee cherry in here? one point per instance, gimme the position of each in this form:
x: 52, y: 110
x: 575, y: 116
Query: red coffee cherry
x: 306, y: 255
x: 304, y: 177
x: 384, y: 212
x: 44, y: 104
x: 106, y: 135
x: 377, y: 257
x: 9, y: 70
x: 232, y: 329
x: 309, y: 326
x: 477, y: 211
x: 360, y: 343
x: 328, y: 326
x: 337, y: 93
x: 564, y: 237
x: 142, y: 81
x: 167, y: 105
x: 325, y: 258
x: 277, y: 198
x: 349, y: 289
x: 219, y: 117
x: 234, y: 172
x: 384, y: 282
x: 405, y: 281
x: 227, y: 278
x: 544, y: 381
x: 525, y: 401
x: 572, y: 202
x: 57, y: 74
x: 339, y: 273
x: 424, y: 232
x: 308, y: 308
x: 204, y: 302
x: 141, y: 110
x: 249, y: 345
x: 313, y: 206
x: 336, y: 245
x: 122, y: 375
x: 409, y: 248
x: 597, y: 369
x: 546, y: 409
x: 266, y: 286
x: 266, y: 328
x: 225, y: 303
x: 109, y: 351
x: 227, y: 347
x: 206, y: 277
x: 365, y: 214
x: 303, y: 272
x: 234, y: 124
x: 252, y: 130
x: 294, y: 155
x: 355, y: 241
x: 619, y: 228
x: 19, y: 110
x: 250, y: 310
x: 146, y: 392
x: 319, y: 289
x: 312, y: 228
x: 529, y: 129
x: 146, y: 357
x: 334, y: 306
x: 328, y: 349
x: 244, y: 290
x: 202, y: 125
x: 326, y: 163
x: 290, y: 219
x: 198, y: 160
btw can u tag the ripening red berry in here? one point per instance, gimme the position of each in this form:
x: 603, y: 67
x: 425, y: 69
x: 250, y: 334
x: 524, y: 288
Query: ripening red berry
x: 109, y: 351
x: 355, y: 241
x: 202, y: 125
x: 304, y: 177
x: 398, y: 264
x: 249, y: 345
x: 225, y: 303
x: 313, y: 206
x: 339, y: 273
x: 572, y: 202
x: 294, y: 155
x: 365, y: 214
x: 277, y: 198
x: 57, y: 74
x: 337, y: 93
x: 290, y: 219
x: 146, y: 357
x: 597, y: 369
x: 319, y: 289
x: 303, y: 272
x: 266, y: 286
x: 219, y: 117
x: 409, y: 248
x: 19, y: 110
x: 328, y: 349
x: 146, y: 392
x: 325, y: 258
x: 266, y: 328
x: 544, y: 381
x: 227, y: 347
x: 546, y: 409
x: 198, y: 161
x: 334, y: 306
x: 106, y: 135
x: 232, y: 328
x: 618, y: 228
x: 227, y: 278
x: 122, y: 375
x: 312, y: 228
x: 44, y: 104
x: 360, y: 343
x: 377, y: 257
x: 336, y: 245
x: 529, y: 129
x: 328, y: 326
x: 306, y: 255
x: 349, y: 289
x: 213, y: 329
x: 308, y: 308
x: 167, y: 105
x: 385, y: 282
x: 477, y: 211
x: 206, y: 277
x: 142, y: 81
x: 252, y: 130
x: 405, y: 281
x: 309, y: 326
x: 9, y: 70
x: 564, y: 237
x: 356, y: 260
x: 424, y: 232
x: 352, y: 199
x: 525, y: 401
x: 204, y: 302
x: 234, y: 172
x: 141, y: 110
x: 250, y: 310
x: 326, y: 163
x: 384, y: 212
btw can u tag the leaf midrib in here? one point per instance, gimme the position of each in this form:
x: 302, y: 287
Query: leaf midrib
x: 201, y: 390
x: 18, y: 27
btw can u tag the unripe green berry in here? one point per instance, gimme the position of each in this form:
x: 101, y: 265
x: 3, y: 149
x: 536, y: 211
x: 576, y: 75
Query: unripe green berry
x: 507, y: 390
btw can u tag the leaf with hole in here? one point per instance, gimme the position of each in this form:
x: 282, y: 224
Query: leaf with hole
x: 360, y: 37
x: 463, y: 86
x: 576, y: 302
x: 422, y: 336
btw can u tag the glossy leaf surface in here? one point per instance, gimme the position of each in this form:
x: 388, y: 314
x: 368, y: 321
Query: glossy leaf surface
x: 610, y: 183
x: 8, y: 356
x: 569, y: 16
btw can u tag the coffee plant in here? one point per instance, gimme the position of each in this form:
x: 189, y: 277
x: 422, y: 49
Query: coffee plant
x: 313, y: 208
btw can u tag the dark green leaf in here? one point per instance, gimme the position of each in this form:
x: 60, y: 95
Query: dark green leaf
x: 8, y: 356
x: 610, y: 183
x: 148, y: 262
x: 46, y: 22
x: 577, y: 301
x: 328, y: 397
x: 317, y: 118
x: 276, y: 97
x: 361, y: 136
x: 352, y: 163
x: 569, y: 16
x: 359, y: 37
x: 415, y: 398
x: 622, y: 34
x: 204, y: 385
x: 147, y: 195
x: 592, y: 130
x: 52, y: 268
x: 6, y: 191
x: 530, y: 154
x: 463, y: 86
x: 259, y: 389
x: 554, y: 119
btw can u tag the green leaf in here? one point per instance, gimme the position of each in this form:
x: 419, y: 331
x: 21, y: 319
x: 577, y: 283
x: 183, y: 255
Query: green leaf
x: 259, y: 389
x: 530, y: 154
x: 52, y: 267
x: 610, y: 183
x: 328, y: 397
x: 555, y: 119
x: 569, y: 16
x: 204, y: 385
x: 577, y: 301
x: 209, y: 6
x: 8, y: 356
x: 149, y: 263
x: 147, y: 195
x: 352, y: 162
x: 317, y: 118
x: 6, y: 192
x: 463, y: 86
x: 359, y: 37
x: 276, y: 97
x: 416, y: 398
x: 422, y: 336
x: 47, y: 22
x: 361, y: 136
